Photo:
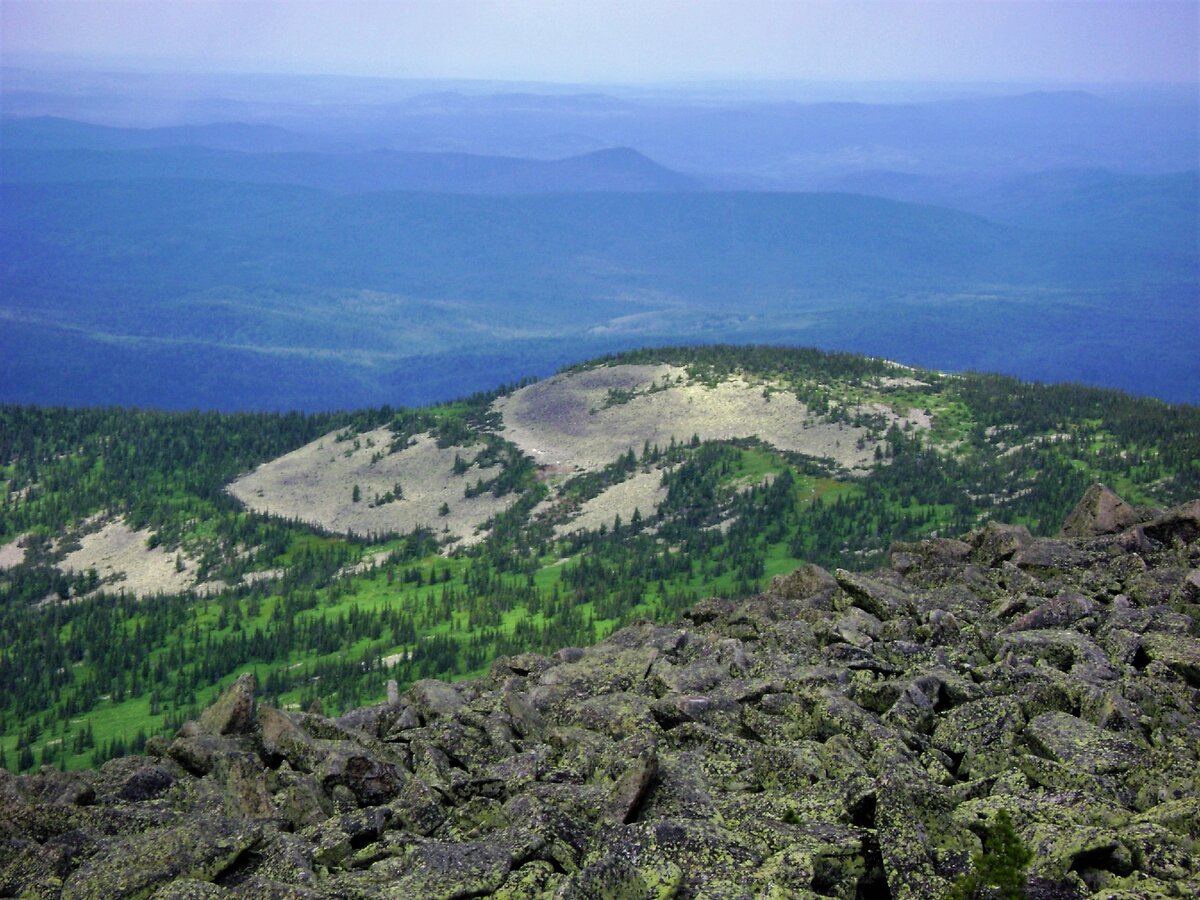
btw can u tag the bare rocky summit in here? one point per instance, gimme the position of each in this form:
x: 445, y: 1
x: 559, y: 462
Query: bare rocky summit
x: 842, y: 735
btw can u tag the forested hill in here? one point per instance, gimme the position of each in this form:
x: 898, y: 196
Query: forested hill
x: 147, y: 558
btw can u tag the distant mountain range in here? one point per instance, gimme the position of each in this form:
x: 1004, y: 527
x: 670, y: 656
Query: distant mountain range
x: 782, y: 144
x: 316, y: 243
x: 59, y: 150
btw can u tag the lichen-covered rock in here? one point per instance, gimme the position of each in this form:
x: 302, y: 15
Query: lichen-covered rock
x: 188, y: 889
x: 875, y: 595
x: 441, y: 870
x: 1099, y: 511
x: 1178, y: 652
x: 1181, y: 524
x: 146, y: 782
x: 806, y: 583
x: 850, y: 736
x: 626, y: 873
x: 1057, y: 612
x: 1066, y: 739
x: 371, y: 780
x: 997, y: 542
x: 233, y: 713
x: 136, y: 866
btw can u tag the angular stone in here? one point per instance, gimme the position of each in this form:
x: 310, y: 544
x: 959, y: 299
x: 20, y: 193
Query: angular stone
x: 667, y: 859
x: 1060, y: 649
x: 148, y: 782
x: 1058, y: 612
x: 1049, y: 556
x: 631, y: 787
x: 243, y: 786
x: 858, y: 627
x: 282, y: 738
x: 997, y: 542
x: 435, y: 699
x: 1181, y: 523
x: 616, y: 715
x: 1067, y: 739
x: 1099, y: 511
x: 135, y: 866
x: 826, y: 860
x: 527, y: 721
x: 188, y: 889
x: 535, y: 879
x: 301, y: 802
x: 57, y: 788
x: 910, y: 826
x: 374, y: 720
x: 621, y: 875
x: 934, y: 552
x: 805, y: 583
x: 1180, y: 816
x: 419, y: 807
x: 371, y: 780
x: 882, y: 600
x: 1191, y: 586
x: 1179, y: 652
x: 443, y: 871
x: 198, y: 754
x: 233, y: 712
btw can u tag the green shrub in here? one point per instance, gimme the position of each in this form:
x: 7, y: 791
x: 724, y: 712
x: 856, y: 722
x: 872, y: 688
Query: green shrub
x: 1001, y: 865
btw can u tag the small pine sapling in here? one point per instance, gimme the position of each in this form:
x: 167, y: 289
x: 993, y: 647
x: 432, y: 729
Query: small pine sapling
x: 1000, y: 866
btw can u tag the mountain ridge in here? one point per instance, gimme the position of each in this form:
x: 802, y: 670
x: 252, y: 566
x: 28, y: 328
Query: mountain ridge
x: 609, y: 169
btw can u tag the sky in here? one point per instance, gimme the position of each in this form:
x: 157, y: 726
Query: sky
x: 1058, y: 41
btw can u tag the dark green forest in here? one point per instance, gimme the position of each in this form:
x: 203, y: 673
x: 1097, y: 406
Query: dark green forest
x: 88, y: 671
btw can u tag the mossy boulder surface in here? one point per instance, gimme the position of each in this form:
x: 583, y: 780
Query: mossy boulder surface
x: 135, y: 866
x: 842, y: 735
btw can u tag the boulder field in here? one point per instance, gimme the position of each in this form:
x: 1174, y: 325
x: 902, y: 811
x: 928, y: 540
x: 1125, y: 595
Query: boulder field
x: 841, y: 735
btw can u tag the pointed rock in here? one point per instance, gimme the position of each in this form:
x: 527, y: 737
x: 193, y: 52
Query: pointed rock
x: 1099, y: 511
x: 233, y: 713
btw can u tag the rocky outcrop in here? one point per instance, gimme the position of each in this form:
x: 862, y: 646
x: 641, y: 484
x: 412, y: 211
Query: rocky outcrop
x: 1099, y: 511
x: 842, y: 735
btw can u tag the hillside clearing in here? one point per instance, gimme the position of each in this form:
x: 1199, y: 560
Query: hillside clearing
x: 12, y: 554
x: 124, y: 561
x: 315, y: 484
x: 587, y: 419
x: 643, y: 492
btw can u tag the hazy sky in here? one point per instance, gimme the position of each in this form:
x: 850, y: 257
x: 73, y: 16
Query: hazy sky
x: 637, y: 40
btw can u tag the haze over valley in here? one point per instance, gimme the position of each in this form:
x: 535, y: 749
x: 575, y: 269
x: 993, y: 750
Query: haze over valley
x: 275, y: 242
